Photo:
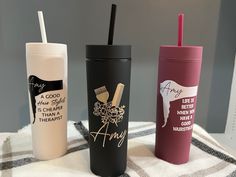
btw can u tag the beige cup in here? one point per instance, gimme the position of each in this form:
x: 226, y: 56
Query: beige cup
x: 47, y: 88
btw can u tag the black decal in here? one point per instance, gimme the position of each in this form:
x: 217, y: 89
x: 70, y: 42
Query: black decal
x: 38, y: 86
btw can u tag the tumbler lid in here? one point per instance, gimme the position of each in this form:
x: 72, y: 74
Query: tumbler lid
x: 181, y: 52
x: 108, y: 51
x: 39, y: 48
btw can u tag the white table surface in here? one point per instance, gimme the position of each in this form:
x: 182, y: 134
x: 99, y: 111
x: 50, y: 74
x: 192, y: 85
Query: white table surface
x: 226, y: 141
x: 141, y: 157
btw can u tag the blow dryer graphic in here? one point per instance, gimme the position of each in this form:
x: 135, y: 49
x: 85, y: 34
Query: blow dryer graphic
x: 171, y: 91
x: 38, y: 86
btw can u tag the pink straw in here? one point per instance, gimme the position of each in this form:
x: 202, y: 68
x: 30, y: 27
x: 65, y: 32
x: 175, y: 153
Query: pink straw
x: 180, y: 29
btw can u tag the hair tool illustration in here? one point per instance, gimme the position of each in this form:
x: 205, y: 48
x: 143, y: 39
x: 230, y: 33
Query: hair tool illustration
x: 102, y: 94
x: 118, y: 95
x: 110, y: 112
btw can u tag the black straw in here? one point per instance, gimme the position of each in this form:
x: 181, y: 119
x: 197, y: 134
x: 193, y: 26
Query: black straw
x: 112, y: 24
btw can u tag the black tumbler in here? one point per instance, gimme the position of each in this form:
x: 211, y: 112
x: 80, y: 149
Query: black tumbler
x: 108, y: 85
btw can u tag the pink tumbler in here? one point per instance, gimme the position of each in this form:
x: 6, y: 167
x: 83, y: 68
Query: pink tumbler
x: 178, y: 78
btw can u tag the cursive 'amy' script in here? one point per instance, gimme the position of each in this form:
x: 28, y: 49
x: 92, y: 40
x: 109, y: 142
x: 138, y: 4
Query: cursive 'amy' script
x: 36, y: 85
x: 167, y: 89
x: 110, y: 136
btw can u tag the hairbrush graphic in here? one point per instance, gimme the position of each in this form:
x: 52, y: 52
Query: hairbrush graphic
x: 109, y: 113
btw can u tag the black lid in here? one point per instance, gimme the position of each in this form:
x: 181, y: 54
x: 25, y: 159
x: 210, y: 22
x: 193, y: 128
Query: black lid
x: 108, y: 51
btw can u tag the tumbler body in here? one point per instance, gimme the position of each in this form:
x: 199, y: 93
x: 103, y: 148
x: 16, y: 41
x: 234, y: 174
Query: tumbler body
x: 107, y: 67
x: 178, y: 78
x: 47, y: 90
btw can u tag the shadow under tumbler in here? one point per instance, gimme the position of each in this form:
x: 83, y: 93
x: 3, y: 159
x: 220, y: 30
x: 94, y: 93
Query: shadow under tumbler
x: 108, y: 86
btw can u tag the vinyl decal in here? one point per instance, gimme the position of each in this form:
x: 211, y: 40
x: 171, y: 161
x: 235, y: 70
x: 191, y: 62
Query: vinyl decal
x: 109, y: 113
x: 37, y: 87
x: 172, y: 91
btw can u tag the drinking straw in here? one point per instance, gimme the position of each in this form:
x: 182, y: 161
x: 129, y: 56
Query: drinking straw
x: 112, y: 24
x: 42, y: 27
x: 180, y: 29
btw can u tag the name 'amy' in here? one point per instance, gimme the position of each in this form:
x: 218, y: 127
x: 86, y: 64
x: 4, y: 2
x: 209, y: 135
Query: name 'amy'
x: 36, y: 85
x: 102, y: 132
x: 167, y: 89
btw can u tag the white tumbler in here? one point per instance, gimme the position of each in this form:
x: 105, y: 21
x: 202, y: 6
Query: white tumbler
x: 47, y: 88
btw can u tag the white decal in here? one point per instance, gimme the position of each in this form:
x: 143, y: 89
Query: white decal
x: 171, y: 91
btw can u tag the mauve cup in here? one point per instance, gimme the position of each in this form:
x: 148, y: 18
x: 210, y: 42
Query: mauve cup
x: 108, y: 86
x: 178, y: 79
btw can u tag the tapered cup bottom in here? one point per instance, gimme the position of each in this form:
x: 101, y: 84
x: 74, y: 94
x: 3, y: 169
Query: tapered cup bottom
x: 171, y: 160
x: 102, y: 174
x: 50, y: 156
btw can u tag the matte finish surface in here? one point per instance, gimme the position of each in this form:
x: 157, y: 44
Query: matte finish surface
x: 108, y: 51
x: 108, y: 150
x: 173, y: 145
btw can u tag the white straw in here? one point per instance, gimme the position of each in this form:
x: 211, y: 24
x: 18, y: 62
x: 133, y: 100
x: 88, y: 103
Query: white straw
x: 42, y: 27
